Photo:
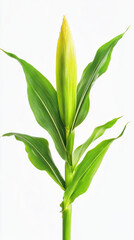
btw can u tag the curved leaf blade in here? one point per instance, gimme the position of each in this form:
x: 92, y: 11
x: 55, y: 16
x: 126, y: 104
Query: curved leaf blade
x: 86, y: 170
x: 91, y: 73
x: 40, y: 156
x: 84, y: 111
x: 43, y: 102
x: 97, y: 132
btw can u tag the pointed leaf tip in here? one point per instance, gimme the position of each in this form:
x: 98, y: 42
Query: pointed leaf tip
x: 127, y: 29
x: 65, y: 24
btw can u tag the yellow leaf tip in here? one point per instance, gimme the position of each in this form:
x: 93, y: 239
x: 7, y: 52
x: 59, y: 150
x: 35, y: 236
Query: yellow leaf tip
x: 65, y: 30
x: 127, y: 29
x: 64, y: 19
x: 2, y: 50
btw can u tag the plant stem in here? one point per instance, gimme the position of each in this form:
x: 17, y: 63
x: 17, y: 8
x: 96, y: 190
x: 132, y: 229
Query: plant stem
x: 68, y: 174
x: 67, y: 223
x: 67, y: 211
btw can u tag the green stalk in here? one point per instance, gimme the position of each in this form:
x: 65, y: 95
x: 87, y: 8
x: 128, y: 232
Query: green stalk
x: 67, y: 211
x: 67, y: 223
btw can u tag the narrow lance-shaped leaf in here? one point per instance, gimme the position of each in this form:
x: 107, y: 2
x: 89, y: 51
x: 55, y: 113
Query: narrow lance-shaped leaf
x: 86, y: 170
x: 43, y: 101
x: 90, y: 74
x: 40, y: 156
x: 98, y: 132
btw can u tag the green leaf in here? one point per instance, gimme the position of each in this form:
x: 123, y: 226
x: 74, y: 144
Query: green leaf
x: 43, y: 101
x: 40, y: 156
x: 86, y: 103
x: 90, y: 74
x: 86, y: 170
x: 98, y: 132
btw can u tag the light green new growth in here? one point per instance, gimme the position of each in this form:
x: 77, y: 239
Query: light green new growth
x: 59, y: 112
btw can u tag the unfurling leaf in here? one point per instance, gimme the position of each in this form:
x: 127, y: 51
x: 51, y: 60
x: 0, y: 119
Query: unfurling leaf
x: 98, y: 132
x: 43, y: 101
x: 86, y: 170
x: 40, y: 156
x: 66, y: 76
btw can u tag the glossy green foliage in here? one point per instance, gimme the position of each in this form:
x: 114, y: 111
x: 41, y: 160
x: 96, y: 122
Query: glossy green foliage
x: 43, y: 101
x: 90, y: 74
x: 86, y: 170
x: 59, y: 116
x: 98, y: 132
x: 40, y: 156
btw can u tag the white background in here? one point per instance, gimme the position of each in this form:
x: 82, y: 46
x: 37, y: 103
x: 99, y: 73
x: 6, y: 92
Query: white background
x: 29, y: 199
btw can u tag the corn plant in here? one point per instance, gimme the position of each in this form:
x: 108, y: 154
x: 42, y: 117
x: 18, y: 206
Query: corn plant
x: 60, y: 112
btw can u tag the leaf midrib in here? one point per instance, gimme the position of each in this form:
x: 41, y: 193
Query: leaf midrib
x: 50, y: 116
